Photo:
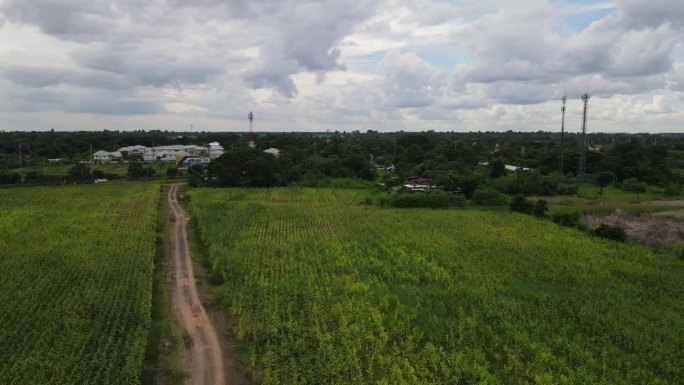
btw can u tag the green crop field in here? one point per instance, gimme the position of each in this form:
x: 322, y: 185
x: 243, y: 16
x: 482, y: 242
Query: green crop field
x: 324, y: 290
x: 76, y: 286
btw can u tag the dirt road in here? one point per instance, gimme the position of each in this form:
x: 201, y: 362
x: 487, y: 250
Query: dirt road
x: 206, y: 360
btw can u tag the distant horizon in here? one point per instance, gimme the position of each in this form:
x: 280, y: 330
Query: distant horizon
x: 331, y: 132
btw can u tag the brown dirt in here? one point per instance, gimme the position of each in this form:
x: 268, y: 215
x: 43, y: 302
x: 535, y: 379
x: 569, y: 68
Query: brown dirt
x: 679, y: 202
x: 662, y: 229
x: 204, y: 350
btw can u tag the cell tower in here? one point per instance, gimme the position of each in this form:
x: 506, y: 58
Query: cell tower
x: 252, y: 142
x: 560, y: 155
x: 583, y: 139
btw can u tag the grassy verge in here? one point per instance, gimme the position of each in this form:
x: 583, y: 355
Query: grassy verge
x: 209, y: 281
x: 164, y: 357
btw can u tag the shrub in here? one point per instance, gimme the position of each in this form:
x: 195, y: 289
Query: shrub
x: 673, y: 190
x: 432, y: 199
x: 568, y: 189
x: 485, y: 196
x: 570, y: 219
x: 521, y: 205
x: 615, y: 233
x: 540, y: 208
x: 678, y: 250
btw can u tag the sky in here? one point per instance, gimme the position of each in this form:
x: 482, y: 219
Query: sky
x: 341, y: 65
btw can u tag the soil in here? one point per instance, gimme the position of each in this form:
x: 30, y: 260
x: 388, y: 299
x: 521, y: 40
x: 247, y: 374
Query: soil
x: 662, y: 229
x: 206, y: 362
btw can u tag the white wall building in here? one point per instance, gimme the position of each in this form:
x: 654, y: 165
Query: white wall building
x: 273, y: 151
x: 215, y: 150
x: 106, y: 157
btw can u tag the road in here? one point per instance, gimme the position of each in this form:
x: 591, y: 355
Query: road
x: 205, y: 356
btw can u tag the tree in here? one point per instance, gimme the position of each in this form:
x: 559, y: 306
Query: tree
x: 136, y: 170
x: 497, y: 168
x: 80, y: 172
x: 521, y: 205
x: 633, y: 185
x: 603, y: 179
x: 246, y: 167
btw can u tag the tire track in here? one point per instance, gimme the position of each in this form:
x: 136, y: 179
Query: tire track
x: 205, y: 356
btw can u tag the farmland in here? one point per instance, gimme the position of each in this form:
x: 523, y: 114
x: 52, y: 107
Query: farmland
x: 325, y: 290
x: 76, y: 292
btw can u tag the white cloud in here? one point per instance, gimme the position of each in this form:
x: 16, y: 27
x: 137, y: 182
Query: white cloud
x: 327, y: 64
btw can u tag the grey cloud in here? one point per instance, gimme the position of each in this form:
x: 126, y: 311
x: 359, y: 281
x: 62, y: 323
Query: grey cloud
x: 620, y: 55
x: 651, y: 13
x: 41, y: 77
x: 91, y: 101
x: 303, y: 36
x: 409, y: 81
x: 69, y: 19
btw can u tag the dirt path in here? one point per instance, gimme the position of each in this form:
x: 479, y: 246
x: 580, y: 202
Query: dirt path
x: 206, y: 358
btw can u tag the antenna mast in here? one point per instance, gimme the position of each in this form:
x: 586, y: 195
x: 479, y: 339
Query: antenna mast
x: 250, y: 116
x: 560, y: 155
x: 583, y: 139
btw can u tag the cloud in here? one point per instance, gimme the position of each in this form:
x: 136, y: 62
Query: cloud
x: 659, y: 105
x: 314, y: 64
x: 303, y: 37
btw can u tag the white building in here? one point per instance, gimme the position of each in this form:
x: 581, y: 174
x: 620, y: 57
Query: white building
x: 273, y: 151
x: 130, y: 150
x: 510, y: 167
x: 215, y: 150
x: 167, y: 153
x: 106, y: 157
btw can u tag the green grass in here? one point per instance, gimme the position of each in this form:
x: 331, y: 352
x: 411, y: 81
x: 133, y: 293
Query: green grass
x: 329, y: 291
x: 615, y: 194
x: 76, y: 292
x: 164, y: 356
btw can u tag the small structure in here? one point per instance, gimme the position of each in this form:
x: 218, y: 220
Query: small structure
x: 190, y: 161
x: 215, y: 150
x: 106, y: 157
x: 273, y: 151
x: 418, y: 183
x: 516, y: 168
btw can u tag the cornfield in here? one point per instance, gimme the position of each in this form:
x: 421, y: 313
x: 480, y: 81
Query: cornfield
x: 76, y: 292
x: 324, y: 290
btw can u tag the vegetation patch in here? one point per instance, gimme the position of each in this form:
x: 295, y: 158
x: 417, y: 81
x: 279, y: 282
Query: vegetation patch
x: 325, y: 290
x: 77, y: 294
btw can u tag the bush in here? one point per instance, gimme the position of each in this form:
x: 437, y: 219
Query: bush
x: 540, y: 208
x: 678, y: 250
x: 568, y: 189
x: 615, y: 233
x: 485, y: 196
x: 570, y: 219
x: 673, y: 190
x: 521, y: 205
x: 432, y: 199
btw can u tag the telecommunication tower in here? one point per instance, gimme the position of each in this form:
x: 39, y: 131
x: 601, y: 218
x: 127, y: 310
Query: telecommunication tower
x: 560, y: 155
x: 583, y: 139
x: 252, y: 142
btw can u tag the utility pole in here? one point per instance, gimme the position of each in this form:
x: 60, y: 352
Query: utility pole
x: 252, y: 143
x: 583, y: 139
x: 560, y: 155
x: 21, y: 167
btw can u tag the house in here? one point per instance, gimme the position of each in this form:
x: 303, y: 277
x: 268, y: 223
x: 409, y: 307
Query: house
x: 133, y: 150
x: 516, y: 168
x: 190, y: 161
x: 418, y: 183
x: 215, y: 150
x: 273, y: 151
x: 102, y: 157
